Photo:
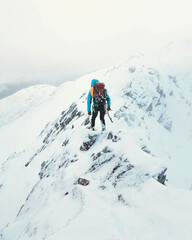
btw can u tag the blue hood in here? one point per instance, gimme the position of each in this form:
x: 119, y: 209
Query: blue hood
x: 93, y: 82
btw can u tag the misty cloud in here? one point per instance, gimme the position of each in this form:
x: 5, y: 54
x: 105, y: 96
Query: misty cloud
x: 40, y: 44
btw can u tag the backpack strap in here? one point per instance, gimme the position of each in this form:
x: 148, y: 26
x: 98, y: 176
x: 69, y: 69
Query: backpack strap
x: 91, y: 91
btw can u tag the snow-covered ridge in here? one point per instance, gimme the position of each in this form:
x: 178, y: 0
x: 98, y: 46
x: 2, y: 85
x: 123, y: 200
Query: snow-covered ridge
x: 16, y: 105
x: 75, y: 184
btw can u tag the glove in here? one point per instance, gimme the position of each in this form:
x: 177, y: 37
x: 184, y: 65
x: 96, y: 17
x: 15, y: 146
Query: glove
x: 89, y: 112
x: 108, y: 108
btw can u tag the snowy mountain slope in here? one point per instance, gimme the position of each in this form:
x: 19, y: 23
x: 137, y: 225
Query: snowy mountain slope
x: 123, y: 199
x: 14, y: 106
x: 18, y: 134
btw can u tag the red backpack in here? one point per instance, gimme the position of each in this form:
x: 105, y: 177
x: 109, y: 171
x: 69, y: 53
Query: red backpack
x: 99, y: 93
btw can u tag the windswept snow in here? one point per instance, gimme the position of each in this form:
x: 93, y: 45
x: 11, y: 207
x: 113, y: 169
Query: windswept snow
x: 46, y: 148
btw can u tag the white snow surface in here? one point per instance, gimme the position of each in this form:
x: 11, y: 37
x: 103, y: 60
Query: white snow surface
x: 44, y: 139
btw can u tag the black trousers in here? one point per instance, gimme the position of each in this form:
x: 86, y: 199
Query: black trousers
x: 96, y: 109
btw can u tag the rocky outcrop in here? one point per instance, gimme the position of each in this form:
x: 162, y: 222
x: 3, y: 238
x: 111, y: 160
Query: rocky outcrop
x: 88, y: 143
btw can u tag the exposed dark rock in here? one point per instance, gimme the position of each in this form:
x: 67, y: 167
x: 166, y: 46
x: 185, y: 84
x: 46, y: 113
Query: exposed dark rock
x: 128, y: 168
x: 162, y: 177
x: 88, y: 143
x: 83, y: 181
x: 160, y: 91
x: 36, y: 154
x: 96, y: 166
x: 131, y: 95
x: 141, y: 105
x: 86, y: 122
x: 99, y: 154
x: 120, y: 169
x: 114, y: 138
x: 115, y: 169
x: 65, y: 119
x: 56, y: 126
x: 95, y: 157
x: 65, y: 142
x: 27, y: 164
x: 106, y: 150
x: 44, y: 167
x: 65, y: 162
x: 82, y: 95
x: 150, y: 108
x: 145, y: 149
x: 61, y: 165
x: 121, y: 174
x: 120, y: 198
x: 47, y: 137
x: 74, y: 160
x: 110, y: 135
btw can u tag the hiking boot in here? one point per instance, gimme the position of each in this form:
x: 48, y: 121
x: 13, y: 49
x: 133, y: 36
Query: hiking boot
x: 102, y: 126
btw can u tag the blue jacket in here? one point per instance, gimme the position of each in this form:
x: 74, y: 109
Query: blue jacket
x: 89, y: 98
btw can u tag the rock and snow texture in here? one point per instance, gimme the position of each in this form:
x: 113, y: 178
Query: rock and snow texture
x: 60, y: 181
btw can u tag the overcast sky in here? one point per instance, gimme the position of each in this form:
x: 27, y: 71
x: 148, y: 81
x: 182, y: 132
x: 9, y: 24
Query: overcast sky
x: 51, y: 41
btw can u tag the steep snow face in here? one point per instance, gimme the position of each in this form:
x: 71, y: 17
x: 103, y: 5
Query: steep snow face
x: 120, y: 169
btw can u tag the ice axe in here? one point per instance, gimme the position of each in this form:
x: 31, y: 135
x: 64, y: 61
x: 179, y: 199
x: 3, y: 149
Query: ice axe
x: 109, y: 116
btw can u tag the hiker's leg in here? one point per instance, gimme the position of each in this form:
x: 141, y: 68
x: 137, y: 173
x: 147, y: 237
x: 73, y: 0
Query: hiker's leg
x: 102, y: 116
x: 94, y: 115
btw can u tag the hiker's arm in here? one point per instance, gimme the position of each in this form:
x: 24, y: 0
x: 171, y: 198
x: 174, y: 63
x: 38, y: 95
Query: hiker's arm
x: 108, y: 100
x: 89, y: 99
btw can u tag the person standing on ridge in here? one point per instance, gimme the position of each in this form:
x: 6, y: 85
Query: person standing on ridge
x: 99, y: 95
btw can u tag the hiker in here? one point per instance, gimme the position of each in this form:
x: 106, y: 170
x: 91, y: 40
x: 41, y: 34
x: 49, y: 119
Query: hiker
x: 99, y: 95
